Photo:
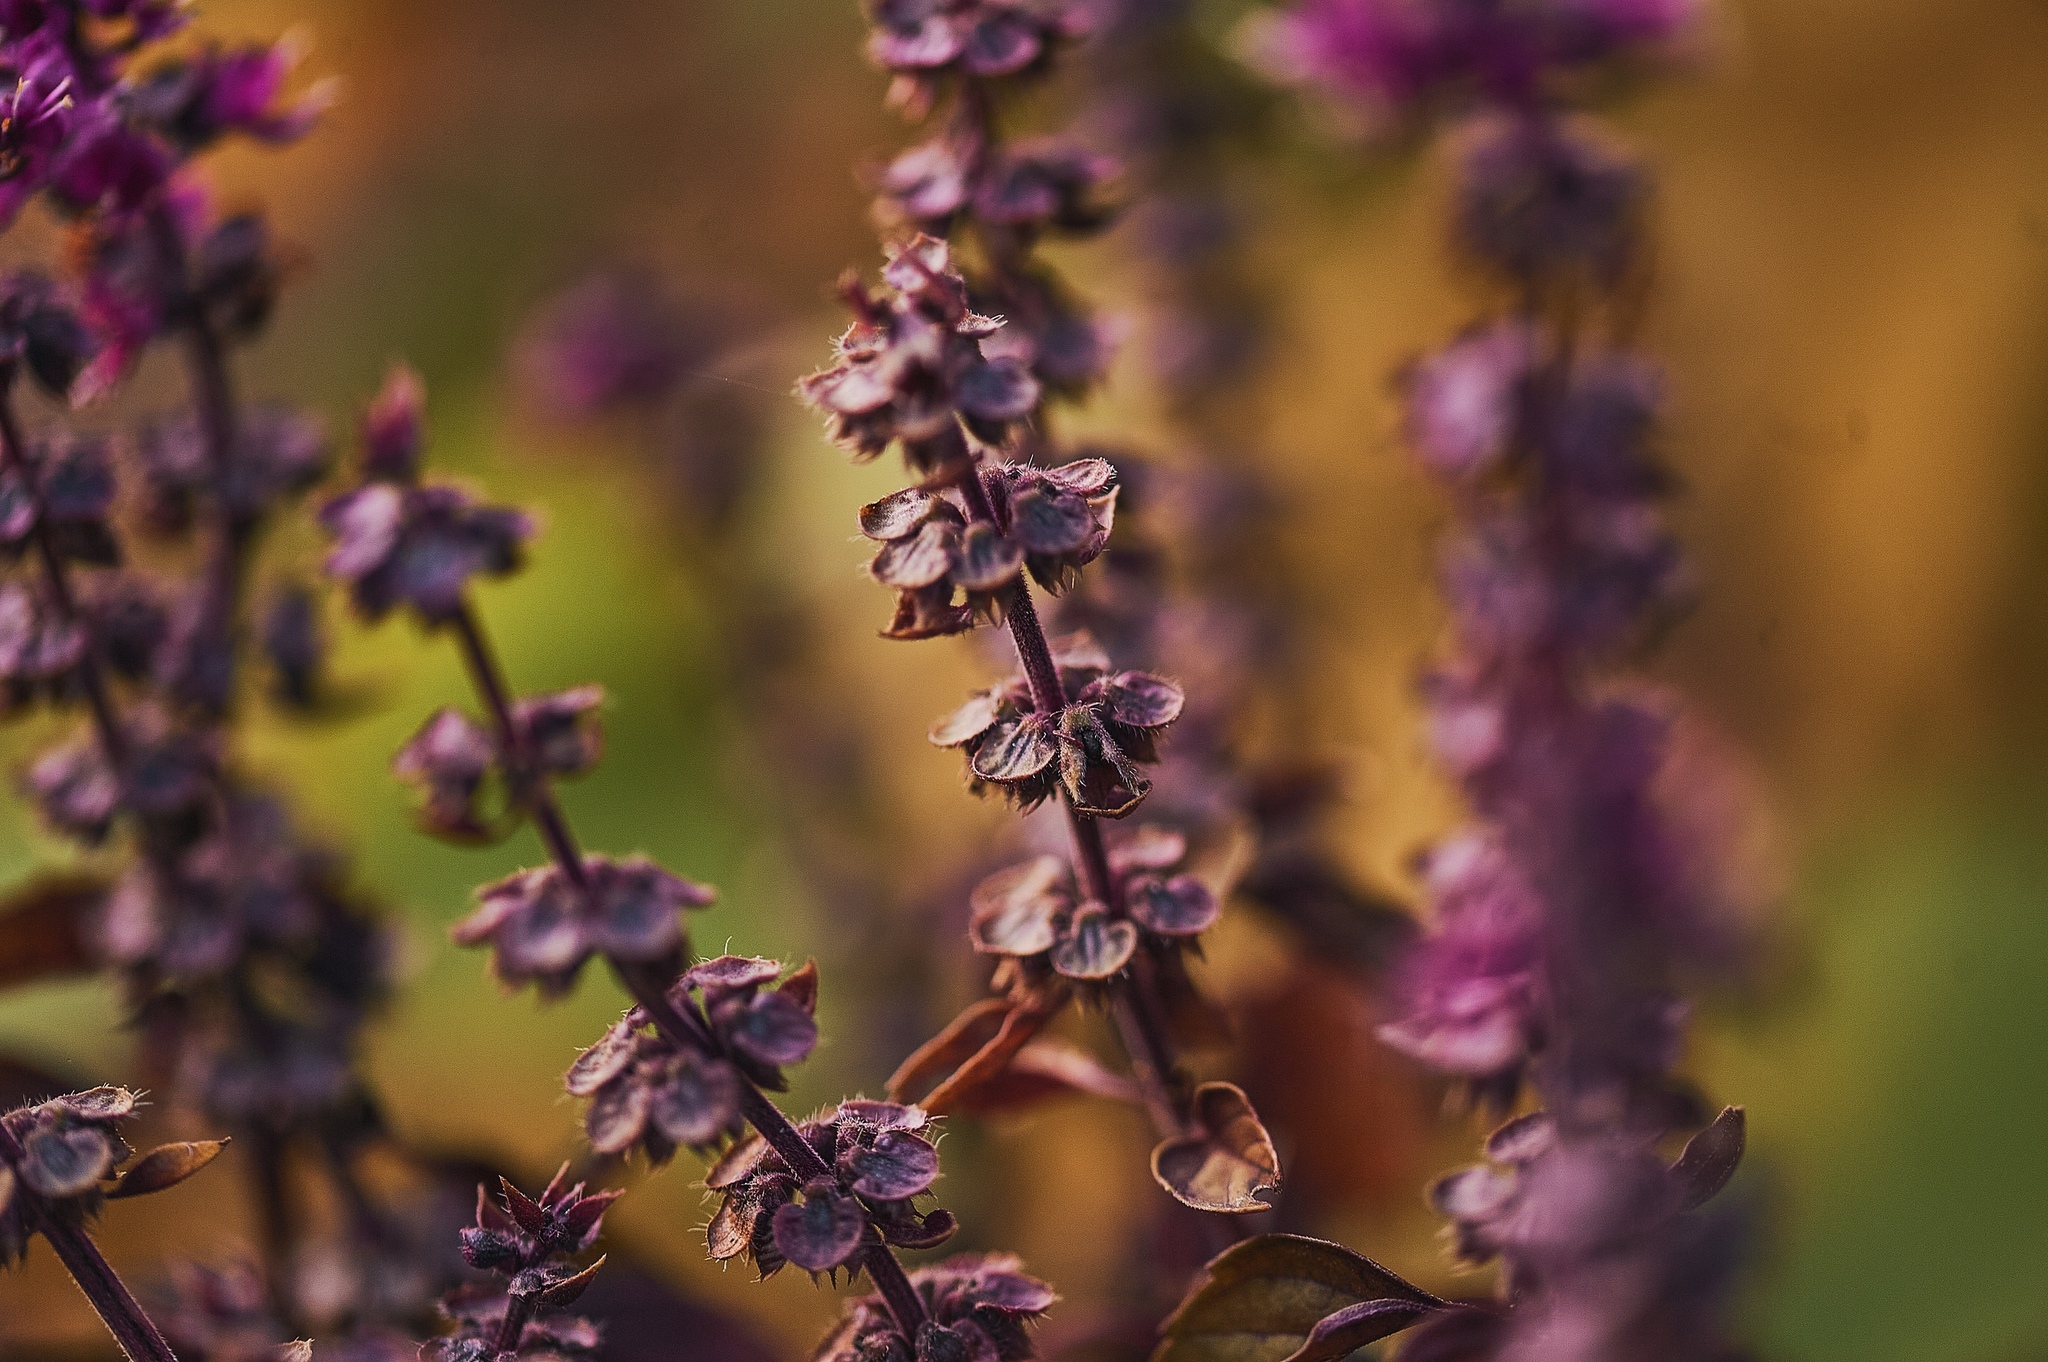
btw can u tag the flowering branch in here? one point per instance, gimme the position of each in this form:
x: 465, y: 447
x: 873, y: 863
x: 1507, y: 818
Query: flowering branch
x: 244, y: 956
x: 953, y: 366
x: 692, y: 1061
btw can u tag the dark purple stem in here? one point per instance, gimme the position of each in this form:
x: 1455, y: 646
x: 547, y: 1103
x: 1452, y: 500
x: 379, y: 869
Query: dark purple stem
x: 1146, y: 1044
x: 91, y: 679
x: 685, y: 1027
x: 123, y: 1315
x: 232, y: 532
x: 531, y: 790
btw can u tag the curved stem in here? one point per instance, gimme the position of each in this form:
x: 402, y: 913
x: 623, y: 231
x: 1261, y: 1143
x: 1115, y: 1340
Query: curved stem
x: 116, y: 1305
x: 683, y: 1026
x: 231, y: 533
x: 1134, y: 1005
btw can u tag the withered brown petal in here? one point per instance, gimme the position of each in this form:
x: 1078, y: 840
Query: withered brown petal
x: 1089, y: 477
x: 100, y: 1104
x: 895, y: 515
x: 166, y: 1166
x: 740, y: 1159
x: 801, y: 987
x: 1227, y: 1163
x: 731, y: 1230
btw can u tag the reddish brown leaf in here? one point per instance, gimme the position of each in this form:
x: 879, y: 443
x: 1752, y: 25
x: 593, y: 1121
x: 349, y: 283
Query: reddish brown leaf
x: 1226, y: 1162
x: 40, y: 936
x: 1287, y: 1298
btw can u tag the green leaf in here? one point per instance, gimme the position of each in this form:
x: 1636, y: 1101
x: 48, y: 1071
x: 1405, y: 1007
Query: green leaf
x: 1289, y: 1298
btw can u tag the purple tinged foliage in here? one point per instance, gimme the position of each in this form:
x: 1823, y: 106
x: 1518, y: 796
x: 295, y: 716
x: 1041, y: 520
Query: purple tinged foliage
x: 979, y: 1307
x: 1088, y: 752
x: 608, y: 343
x: 1034, y: 914
x: 877, y: 1158
x: 648, y: 1091
x: 525, y: 1244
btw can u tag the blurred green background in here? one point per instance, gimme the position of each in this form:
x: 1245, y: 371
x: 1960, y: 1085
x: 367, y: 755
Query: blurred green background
x: 1852, y: 294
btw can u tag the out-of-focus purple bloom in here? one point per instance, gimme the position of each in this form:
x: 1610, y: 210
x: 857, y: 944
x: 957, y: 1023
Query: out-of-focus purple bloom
x: 221, y: 90
x: 542, y: 927
x: 42, y: 332
x: 1465, y: 402
x: 613, y: 340
x: 452, y: 757
x: 1543, y: 199
x: 1391, y: 54
x: 448, y: 759
x: 981, y: 38
x: 394, y: 427
x: 278, y: 453
x: 1473, y: 989
x: 107, y: 165
x: 419, y: 546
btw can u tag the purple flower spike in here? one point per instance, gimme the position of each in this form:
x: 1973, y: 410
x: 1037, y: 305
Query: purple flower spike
x: 542, y: 927
x: 881, y: 1158
x: 419, y: 547
x: 980, y: 1305
x: 1089, y: 751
